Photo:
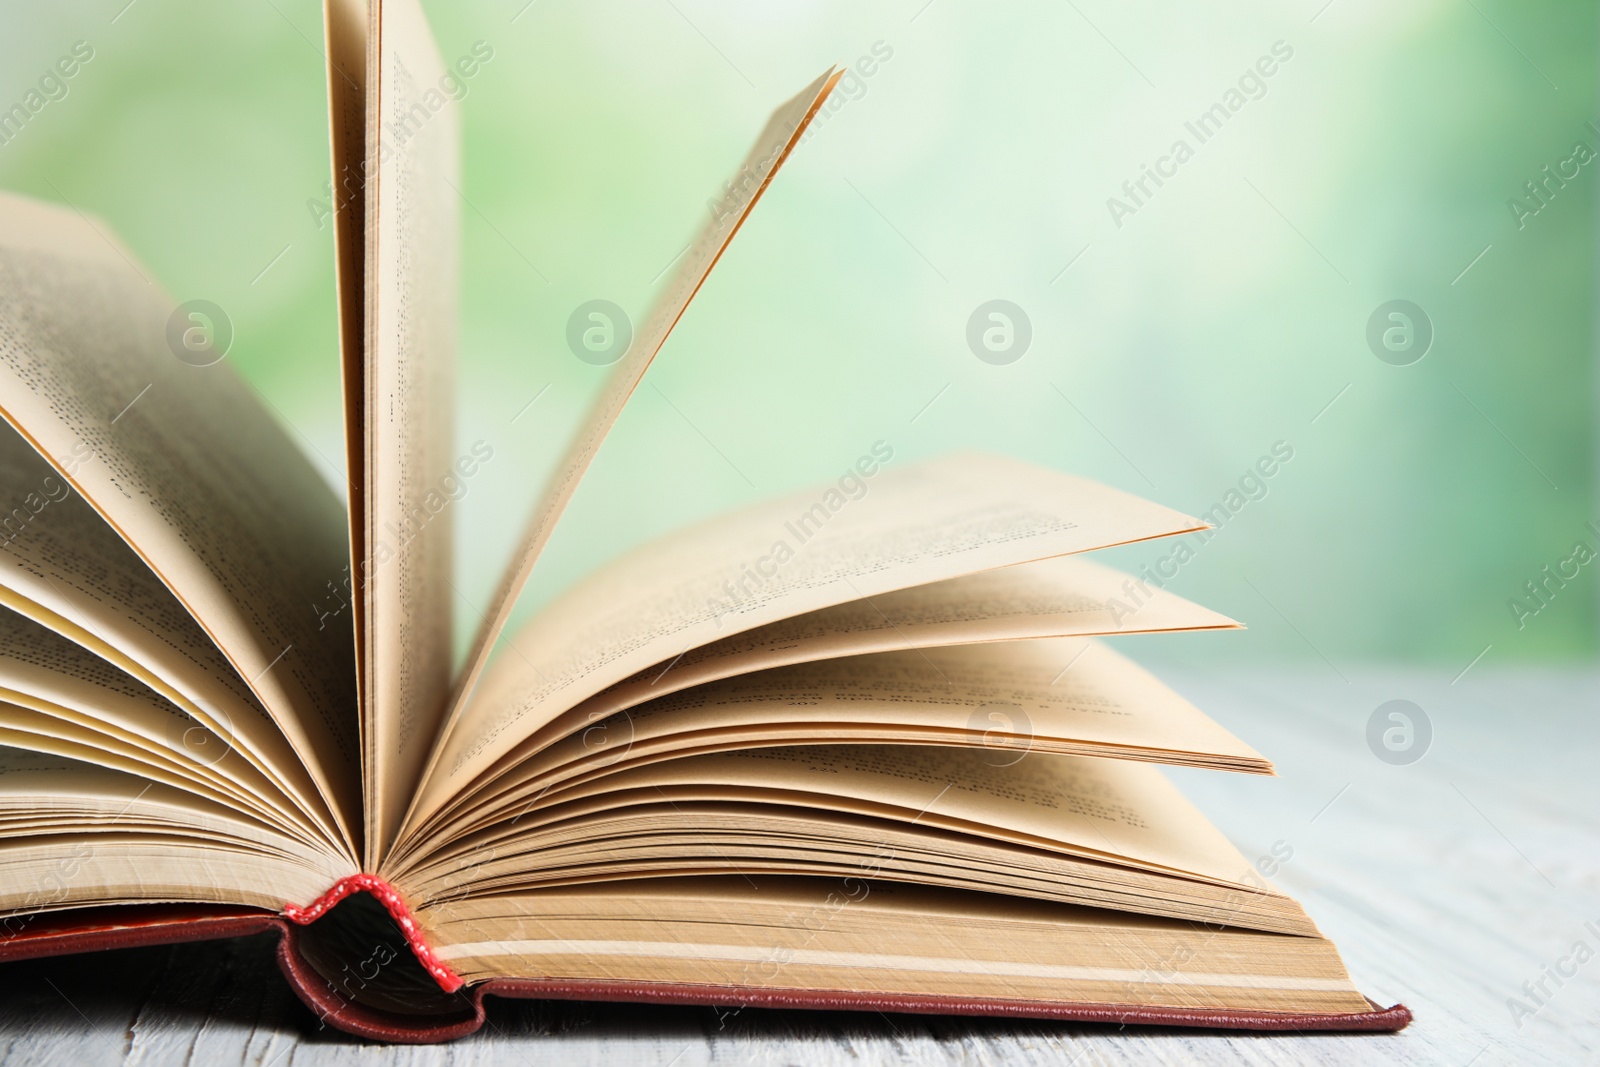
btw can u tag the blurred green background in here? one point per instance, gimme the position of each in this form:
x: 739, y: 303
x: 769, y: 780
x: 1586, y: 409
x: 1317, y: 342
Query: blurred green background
x: 1226, y: 314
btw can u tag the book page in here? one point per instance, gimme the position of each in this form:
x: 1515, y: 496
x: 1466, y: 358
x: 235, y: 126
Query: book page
x: 36, y: 726
x: 63, y: 568
x: 1061, y: 695
x: 410, y: 343
x: 1067, y: 596
x: 1106, y: 809
x: 75, y: 833
x: 907, y: 527
x: 345, y: 25
x: 772, y: 147
x: 861, y: 938
x: 672, y: 838
x: 41, y: 792
x: 37, y: 719
x: 1009, y: 699
x: 130, y: 397
x: 49, y: 673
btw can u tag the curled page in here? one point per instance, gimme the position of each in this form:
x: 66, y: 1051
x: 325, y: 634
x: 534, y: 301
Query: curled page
x: 925, y: 523
x: 777, y: 140
x: 62, y: 567
x: 1065, y: 596
x: 130, y: 397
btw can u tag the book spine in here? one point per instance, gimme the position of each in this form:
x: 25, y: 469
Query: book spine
x: 386, y: 895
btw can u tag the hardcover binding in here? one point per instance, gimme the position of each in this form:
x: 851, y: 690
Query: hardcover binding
x: 97, y: 929
x: 390, y: 898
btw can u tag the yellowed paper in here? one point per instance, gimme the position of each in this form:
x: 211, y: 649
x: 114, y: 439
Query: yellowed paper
x: 50, y: 673
x: 772, y: 147
x: 774, y: 934
x: 127, y: 394
x: 1106, y: 809
x: 919, y: 524
x: 1009, y: 699
x: 409, y: 375
x: 63, y: 568
x: 1065, y: 596
x: 345, y: 24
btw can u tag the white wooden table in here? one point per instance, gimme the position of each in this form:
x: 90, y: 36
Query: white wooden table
x: 1447, y: 883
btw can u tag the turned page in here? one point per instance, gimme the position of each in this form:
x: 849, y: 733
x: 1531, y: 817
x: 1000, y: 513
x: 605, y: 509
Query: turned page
x: 131, y: 398
x: 409, y: 366
x: 1103, y: 809
x: 64, y: 568
x: 49, y: 673
x: 77, y: 808
x: 922, y: 523
x: 345, y: 31
x: 1010, y: 698
x: 80, y: 832
x: 1066, y: 596
x: 772, y: 147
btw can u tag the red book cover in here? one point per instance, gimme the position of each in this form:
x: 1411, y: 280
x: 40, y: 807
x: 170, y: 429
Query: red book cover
x: 421, y: 1000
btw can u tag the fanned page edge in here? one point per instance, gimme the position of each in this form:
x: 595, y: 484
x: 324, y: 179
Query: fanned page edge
x: 341, y: 804
x: 674, y: 300
x: 105, y: 928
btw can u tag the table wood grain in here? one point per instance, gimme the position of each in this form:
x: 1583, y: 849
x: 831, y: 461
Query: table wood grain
x: 1447, y: 883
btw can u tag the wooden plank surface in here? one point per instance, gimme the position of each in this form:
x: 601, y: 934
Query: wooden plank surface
x: 1447, y: 883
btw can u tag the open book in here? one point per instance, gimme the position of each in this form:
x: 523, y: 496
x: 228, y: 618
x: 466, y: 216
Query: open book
x: 857, y: 747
